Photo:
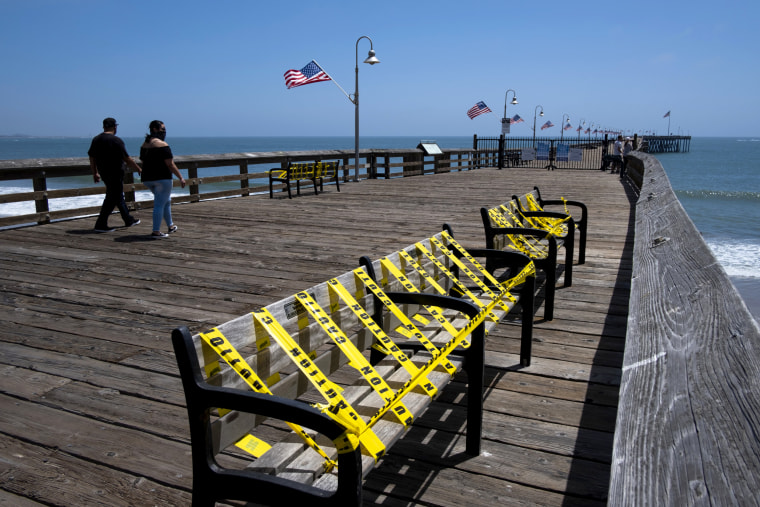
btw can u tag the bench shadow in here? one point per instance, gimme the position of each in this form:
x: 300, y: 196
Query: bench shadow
x: 433, y: 445
x: 610, y: 333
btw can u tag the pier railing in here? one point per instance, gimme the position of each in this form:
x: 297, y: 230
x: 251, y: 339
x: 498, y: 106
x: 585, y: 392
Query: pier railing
x: 689, y: 409
x: 571, y: 152
x: 665, y: 144
x: 208, y: 177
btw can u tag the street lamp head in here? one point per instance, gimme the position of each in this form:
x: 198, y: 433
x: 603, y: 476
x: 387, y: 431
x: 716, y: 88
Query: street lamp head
x: 371, y: 59
x: 514, y: 100
x: 542, y: 113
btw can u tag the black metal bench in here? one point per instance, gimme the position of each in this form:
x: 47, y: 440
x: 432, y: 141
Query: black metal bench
x: 316, y: 172
x: 287, y: 404
x: 533, y: 202
x: 506, y: 229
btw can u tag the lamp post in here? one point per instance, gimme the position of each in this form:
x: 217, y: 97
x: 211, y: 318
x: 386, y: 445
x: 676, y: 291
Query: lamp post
x: 514, y: 101
x: 534, y: 122
x: 580, y: 125
x: 562, y: 131
x: 372, y: 61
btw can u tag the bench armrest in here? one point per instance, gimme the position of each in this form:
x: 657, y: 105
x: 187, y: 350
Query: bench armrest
x: 501, y: 258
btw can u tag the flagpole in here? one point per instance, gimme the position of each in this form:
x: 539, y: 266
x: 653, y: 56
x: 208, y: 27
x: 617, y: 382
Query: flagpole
x: 334, y: 81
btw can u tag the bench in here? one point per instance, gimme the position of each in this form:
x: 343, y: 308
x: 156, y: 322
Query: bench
x: 287, y: 403
x: 505, y: 229
x: 316, y: 172
x: 533, y: 201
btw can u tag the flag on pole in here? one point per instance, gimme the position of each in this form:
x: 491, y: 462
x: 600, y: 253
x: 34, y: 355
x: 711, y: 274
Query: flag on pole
x: 517, y: 119
x: 478, y: 109
x: 547, y: 125
x: 568, y: 126
x: 312, y: 73
x: 588, y: 131
x: 667, y: 114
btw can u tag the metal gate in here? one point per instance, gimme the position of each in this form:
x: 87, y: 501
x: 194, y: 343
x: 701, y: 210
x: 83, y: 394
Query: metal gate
x: 542, y: 152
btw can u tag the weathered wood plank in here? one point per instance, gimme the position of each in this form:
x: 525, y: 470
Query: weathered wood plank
x: 690, y: 393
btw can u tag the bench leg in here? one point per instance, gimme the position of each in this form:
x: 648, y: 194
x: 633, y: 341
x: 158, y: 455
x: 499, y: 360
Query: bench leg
x: 527, y: 300
x: 582, y: 245
x: 475, y: 368
x: 551, y: 283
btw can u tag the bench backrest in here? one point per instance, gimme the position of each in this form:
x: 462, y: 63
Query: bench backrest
x: 327, y: 169
x: 301, y: 170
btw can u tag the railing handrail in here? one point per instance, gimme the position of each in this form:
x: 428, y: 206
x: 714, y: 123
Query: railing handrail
x: 689, y: 404
x: 377, y: 163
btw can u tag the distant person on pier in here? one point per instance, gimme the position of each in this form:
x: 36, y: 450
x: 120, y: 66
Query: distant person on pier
x: 107, y: 158
x: 158, y: 167
x: 627, y: 148
x: 617, y: 151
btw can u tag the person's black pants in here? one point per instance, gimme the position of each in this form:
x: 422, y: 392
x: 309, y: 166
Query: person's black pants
x: 114, y: 199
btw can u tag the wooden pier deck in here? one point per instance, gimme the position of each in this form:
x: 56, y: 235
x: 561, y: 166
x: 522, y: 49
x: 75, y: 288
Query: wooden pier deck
x: 92, y: 410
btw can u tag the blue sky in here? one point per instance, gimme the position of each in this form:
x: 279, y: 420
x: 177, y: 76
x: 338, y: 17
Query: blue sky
x: 216, y: 68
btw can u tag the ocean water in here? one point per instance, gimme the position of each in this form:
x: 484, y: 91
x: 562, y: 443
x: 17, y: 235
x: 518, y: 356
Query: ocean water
x: 718, y: 184
x: 717, y: 181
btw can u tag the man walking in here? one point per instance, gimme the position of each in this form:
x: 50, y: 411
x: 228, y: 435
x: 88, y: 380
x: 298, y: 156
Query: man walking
x: 107, y: 158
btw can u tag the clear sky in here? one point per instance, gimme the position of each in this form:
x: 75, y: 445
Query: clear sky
x: 215, y: 68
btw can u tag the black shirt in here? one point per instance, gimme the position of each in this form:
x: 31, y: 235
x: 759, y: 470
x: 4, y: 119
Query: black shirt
x: 154, y: 163
x: 109, y: 152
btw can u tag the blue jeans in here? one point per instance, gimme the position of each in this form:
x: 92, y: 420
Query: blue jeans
x: 162, y: 202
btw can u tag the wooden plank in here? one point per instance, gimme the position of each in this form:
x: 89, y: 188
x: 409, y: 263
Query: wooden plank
x: 691, y: 373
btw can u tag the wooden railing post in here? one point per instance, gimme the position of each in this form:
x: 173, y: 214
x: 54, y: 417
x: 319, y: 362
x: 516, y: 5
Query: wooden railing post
x: 192, y: 175
x: 129, y: 193
x: 244, y: 181
x: 41, y: 205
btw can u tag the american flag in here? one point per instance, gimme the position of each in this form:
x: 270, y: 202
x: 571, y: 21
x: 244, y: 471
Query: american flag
x: 312, y: 73
x: 588, y: 131
x: 478, y: 109
x: 667, y: 114
x: 568, y: 126
x: 547, y: 125
x: 516, y: 119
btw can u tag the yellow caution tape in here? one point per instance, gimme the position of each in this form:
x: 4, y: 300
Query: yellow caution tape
x: 528, y: 270
x: 355, y: 357
x: 389, y: 347
x: 219, y: 343
x: 410, y: 287
x: 460, y: 287
x: 337, y: 407
x: 253, y: 445
x: 401, y: 316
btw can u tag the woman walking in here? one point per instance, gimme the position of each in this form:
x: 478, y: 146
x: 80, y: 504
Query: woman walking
x: 157, y: 169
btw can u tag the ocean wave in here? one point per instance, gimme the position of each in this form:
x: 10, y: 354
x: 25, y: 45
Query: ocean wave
x: 738, y: 195
x: 738, y: 258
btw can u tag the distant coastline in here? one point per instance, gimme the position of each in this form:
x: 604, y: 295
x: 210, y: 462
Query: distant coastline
x: 27, y: 136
